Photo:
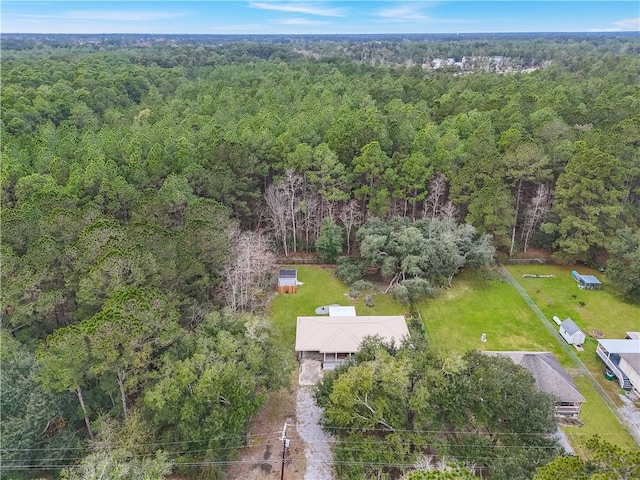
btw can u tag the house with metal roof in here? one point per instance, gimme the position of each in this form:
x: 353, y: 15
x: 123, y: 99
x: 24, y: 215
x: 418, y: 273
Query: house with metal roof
x: 572, y: 333
x: 335, y: 338
x: 550, y: 378
x: 622, y: 357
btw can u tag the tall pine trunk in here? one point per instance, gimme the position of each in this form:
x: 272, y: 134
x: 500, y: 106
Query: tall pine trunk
x: 84, y: 411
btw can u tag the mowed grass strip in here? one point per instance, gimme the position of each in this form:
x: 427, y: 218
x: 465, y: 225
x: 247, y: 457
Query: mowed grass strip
x: 321, y: 287
x: 598, y: 419
x: 591, y: 310
x: 475, y: 304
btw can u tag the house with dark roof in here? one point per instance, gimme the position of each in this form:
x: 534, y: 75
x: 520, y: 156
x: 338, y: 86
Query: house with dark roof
x: 287, y: 280
x: 572, y: 333
x: 550, y: 378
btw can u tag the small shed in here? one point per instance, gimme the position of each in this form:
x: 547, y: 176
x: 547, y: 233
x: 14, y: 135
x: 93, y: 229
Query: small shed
x: 287, y: 280
x: 586, y: 282
x: 572, y: 333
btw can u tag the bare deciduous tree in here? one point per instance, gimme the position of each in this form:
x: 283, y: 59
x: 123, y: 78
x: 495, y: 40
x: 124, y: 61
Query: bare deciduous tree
x: 449, y: 210
x: 350, y: 216
x: 249, y: 275
x: 537, y: 209
x: 433, y: 203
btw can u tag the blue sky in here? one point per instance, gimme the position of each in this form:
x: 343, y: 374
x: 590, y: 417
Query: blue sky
x: 317, y: 17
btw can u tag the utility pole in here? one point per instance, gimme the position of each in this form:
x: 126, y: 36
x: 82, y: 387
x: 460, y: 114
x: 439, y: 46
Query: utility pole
x: 285, y: 445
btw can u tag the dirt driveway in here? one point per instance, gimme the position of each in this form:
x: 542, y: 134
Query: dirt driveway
x: 309, y: 455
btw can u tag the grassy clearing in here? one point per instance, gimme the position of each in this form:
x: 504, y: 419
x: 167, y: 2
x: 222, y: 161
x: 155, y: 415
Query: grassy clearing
x: 474, y: 305
x: 590, y: 309
x: 598, y: 420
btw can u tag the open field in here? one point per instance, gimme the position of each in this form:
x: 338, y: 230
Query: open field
x: 475, y: 305
x: 590, y: 309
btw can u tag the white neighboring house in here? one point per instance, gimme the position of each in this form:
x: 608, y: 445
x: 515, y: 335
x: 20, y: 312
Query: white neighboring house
x: 572, y: 333
x: 622, y: 357
x: 334, y: 339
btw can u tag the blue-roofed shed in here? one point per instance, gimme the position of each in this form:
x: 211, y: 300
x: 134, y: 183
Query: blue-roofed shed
x: 586, y: 282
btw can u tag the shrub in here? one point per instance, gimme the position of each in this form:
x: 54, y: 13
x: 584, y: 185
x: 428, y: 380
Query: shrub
x: 349, y: 270
x: 360, y: 286
x: 418, y: 288
x: 368, y: 300
x: 399, y: 293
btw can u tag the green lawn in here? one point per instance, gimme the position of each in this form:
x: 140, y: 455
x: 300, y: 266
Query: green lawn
x: 590, y: 309
x: 475, y: 305
x: 320, y: 288
x: 598, y: 419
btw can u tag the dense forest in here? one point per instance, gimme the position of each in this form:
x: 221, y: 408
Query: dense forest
x: 149, y: 183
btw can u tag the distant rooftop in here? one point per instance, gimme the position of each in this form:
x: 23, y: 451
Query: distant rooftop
x: 549, y: 375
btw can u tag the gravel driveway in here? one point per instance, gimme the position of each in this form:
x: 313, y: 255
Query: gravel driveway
x: 317, y: 442
x: 631, y: 412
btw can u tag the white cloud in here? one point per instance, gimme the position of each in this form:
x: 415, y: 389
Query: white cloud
x: 403, y: 12
x: 301, y: 21
x: 306, y: 8
x: 628, y: 24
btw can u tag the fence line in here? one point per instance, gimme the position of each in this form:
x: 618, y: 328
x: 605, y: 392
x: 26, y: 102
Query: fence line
x: 581, y: 368
x: 539, y: 261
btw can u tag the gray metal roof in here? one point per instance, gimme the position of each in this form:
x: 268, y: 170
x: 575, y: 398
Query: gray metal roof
x: 287, y: 277
x: 590, y: 279
x: 619, y: 345
x: 570, y: 326
x: 549, y: 375
x: 288, y: 273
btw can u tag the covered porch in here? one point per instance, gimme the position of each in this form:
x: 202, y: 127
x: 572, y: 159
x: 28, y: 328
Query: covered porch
x: 609, y: 352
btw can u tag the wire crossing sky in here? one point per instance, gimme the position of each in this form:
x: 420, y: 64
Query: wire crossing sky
x: 317, y: 17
